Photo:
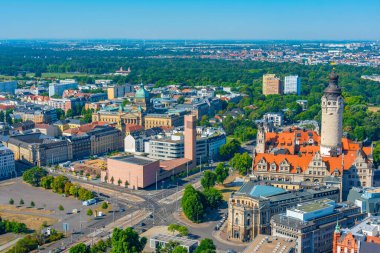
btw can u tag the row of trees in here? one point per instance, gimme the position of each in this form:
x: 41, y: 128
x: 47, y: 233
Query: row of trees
x: 39, y: 177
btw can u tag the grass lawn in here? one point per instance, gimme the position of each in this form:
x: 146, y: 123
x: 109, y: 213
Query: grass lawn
x: 227, y: 190
x: 32, y: 217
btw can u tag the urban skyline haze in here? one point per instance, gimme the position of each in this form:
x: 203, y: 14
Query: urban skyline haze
x: 208, y: 19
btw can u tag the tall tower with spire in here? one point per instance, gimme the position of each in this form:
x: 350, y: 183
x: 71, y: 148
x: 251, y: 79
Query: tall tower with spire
x: 332, y: 117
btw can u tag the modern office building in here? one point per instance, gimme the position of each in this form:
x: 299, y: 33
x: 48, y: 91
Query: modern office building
x: 313, y: 223
x: 252, y: 206
x: 272, y: 85
x: 173, y: 146
x: 292, y: 85
x: 57, y: 89
x: 364, y: 237
x: 8, y: 87
x: 118, y: 91
x: 139, y: 172
x: 7, y: 163
x: 368, y: 199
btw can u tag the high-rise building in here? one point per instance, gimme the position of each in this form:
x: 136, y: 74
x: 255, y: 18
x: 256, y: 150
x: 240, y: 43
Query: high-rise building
x: 332, y: 117
x: 292, y: 85
x: 190, y: 135
x: 271, y: 85
x: 57, y: 89
x: 116, y: 91
x: 8, y: 87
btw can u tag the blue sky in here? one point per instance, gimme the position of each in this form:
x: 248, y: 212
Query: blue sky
x: 195, y: 19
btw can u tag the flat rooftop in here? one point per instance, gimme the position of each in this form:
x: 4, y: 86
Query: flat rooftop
x: 139, y: 160
x: 312, y: 206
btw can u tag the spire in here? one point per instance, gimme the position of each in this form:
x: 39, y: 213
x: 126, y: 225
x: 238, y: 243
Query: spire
x: 337, y: 227
x: 333, y: 87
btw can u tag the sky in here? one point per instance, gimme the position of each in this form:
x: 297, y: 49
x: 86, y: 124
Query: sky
x: 191, y: 19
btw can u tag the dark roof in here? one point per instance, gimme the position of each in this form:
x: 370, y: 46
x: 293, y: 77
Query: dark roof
x: 369, y: 247
x: 134, y: 160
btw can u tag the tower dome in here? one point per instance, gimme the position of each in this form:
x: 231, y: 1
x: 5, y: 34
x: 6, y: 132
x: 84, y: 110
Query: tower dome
x: 142, y: 92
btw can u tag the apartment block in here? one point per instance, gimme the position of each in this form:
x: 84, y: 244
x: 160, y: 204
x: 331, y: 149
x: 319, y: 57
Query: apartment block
x: 272, y: 85
x: 292, y: 85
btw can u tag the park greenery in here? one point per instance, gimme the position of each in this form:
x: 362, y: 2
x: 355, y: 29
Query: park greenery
x: 39, y: 177
x: 242, y: 163
x: 195, y: 203
x: 228, y: 150
x: 206, y: 246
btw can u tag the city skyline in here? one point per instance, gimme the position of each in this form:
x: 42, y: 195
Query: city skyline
x: 206, y: 20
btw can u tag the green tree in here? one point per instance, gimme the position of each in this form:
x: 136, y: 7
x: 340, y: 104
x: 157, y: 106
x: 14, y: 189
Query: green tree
x: 376, y: 153
x: 179, y: 249
x: 34, y: 175
x: 221, y: 172
x: 47, y: 181
x: 8, y: 118
x: 192, y: 204
x: 80, y: 248
x: 21, y: 201
x: 112, y: 180
x: 241, y: 163
x: 126, y: 184
x: 2, y: 116
x: 119, y: 182
x: 104, y: 205
x: 11, y: 201
x: 208, y: 180
x: 32, y: 204
x: 173, y: 228
x: 61, y: 208
x: 213, y: 197
x: 183, y: 230
x: 206, y: 246
x: 89, y: 212
x: 58, y: 184
x: 228, y: 150
x: 127, y: 240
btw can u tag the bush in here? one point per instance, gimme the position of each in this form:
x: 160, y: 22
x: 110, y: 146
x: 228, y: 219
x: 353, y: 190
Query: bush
x: 11, y: 201
x: 60, y: 208
x: 89, y: 212
x: 104, y: 205
x: 25, y: 245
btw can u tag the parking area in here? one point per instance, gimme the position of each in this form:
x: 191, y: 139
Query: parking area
x: 45, y: 207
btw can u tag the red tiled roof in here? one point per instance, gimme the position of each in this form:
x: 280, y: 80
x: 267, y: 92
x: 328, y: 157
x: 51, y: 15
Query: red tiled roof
x: 133, y: 127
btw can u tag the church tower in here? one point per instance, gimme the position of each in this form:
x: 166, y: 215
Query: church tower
x: 332, y: 117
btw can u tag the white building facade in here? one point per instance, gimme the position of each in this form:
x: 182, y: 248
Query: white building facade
x: 292, y: 85
x: 7, y: 163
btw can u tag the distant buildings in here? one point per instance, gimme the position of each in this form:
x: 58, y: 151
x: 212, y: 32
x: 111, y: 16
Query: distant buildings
x: 292, y: 85
x: 163, y: 120
x: 364, y: 237
x: 252, y: 206
x: 7, y: 163
x: 57, y: 89
x: 8, y: 87
x: 277, y: 118
x: 118, y: 91
x: 312, y: 223
x: 272, y: 85
x: 35, y: 113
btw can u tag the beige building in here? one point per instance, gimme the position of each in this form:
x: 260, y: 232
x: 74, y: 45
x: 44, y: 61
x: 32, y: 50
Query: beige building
x: 38, y: 149
x: 166, y: 120
x: 271, y: 85
x: 252, y: 206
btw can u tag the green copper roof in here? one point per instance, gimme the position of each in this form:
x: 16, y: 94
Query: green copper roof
x: 142, y: 92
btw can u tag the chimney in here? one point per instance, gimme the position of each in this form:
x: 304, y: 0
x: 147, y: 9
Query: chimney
x: 190, y: 134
